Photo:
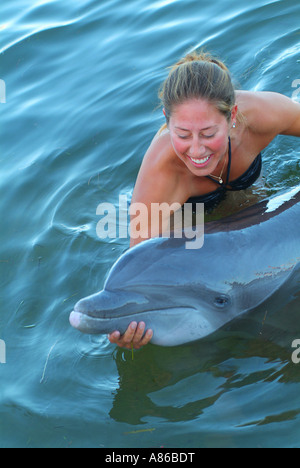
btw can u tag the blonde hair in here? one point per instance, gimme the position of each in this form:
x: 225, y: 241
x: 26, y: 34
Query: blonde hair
x: 198, y: 76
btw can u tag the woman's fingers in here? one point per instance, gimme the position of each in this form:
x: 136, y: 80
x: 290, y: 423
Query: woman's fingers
x: 145, y: 340
x: 139, y: 332
x: 141, y: 338
x: 134, y: 336
x: 128, y: 336
x: 125, y: 340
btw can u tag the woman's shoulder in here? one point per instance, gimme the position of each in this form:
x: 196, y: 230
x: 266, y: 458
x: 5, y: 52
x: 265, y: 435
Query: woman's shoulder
x: 160, y: 154
x: 161, y: 175
x: 254, y: 104
x: 267, y: 112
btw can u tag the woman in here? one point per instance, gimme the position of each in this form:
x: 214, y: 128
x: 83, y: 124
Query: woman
x: 211, y: 143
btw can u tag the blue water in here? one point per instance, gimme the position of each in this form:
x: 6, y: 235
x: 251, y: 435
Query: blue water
x: 81, y: 109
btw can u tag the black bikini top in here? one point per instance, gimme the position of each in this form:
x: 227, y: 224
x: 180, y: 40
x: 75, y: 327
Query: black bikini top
x: 212, y: 199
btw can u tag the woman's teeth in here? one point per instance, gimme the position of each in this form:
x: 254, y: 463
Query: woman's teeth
x: 201, y: 161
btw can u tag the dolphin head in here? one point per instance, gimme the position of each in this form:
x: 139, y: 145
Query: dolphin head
x: 171, y: 325
x: 154, y: 283
x: 176, y: 315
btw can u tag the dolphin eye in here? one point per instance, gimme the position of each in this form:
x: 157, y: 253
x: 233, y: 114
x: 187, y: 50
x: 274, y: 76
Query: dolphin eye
x: 221, y: 301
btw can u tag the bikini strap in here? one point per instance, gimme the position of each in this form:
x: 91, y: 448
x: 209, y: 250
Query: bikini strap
x: 229, y: 162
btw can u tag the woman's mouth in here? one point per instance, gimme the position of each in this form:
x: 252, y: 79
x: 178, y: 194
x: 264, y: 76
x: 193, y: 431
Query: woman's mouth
x: 200, y: 162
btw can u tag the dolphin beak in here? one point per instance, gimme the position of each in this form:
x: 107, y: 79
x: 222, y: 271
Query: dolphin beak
x: 75, y: 318
x: 87, y: 324
x: 95, y: 314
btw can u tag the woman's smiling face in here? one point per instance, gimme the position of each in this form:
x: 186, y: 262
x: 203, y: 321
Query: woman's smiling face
x: 199, y: 135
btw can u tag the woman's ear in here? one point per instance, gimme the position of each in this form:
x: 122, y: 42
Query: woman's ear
x: 167, y: 120
x: 234, y: 115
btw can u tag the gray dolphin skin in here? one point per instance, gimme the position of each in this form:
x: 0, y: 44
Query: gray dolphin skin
x: 184, y: 295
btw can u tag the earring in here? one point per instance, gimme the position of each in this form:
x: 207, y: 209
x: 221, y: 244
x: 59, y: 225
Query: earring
x: 234, y: 125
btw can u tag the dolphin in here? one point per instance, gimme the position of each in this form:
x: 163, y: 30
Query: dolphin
x: 184, y: 295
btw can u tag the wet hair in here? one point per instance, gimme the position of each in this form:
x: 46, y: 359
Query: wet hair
x: 198, y: 76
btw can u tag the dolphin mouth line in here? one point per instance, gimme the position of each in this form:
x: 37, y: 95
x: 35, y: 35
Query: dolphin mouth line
x: 97, y: 325
x: 164, y: 309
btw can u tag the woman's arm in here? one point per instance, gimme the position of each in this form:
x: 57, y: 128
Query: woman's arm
x: 273, y: 114
x: 157, y: 185
x: 294, y: 126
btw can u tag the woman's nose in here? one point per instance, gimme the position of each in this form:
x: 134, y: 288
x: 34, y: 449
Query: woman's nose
x: 197, y: 149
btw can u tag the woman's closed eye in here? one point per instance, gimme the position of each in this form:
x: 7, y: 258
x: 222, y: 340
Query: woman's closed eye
x: 183, y: 137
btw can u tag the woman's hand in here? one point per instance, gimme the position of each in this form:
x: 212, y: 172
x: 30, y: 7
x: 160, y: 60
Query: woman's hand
x: 133, y: 337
